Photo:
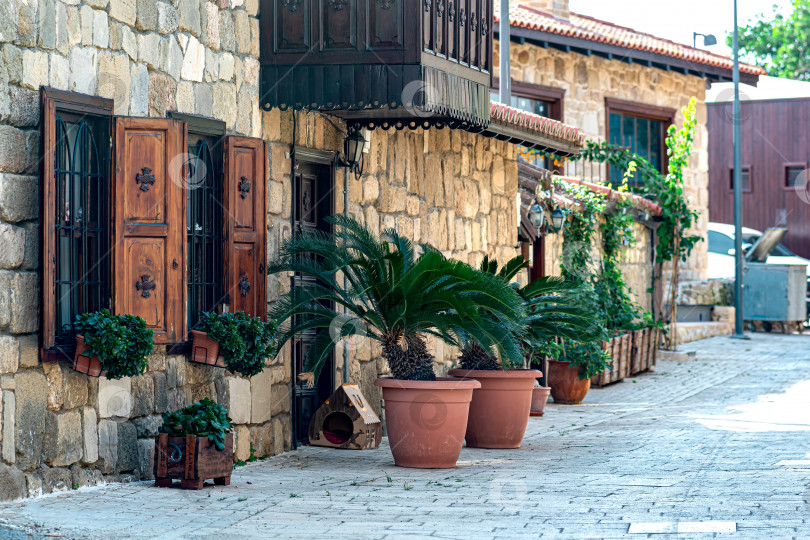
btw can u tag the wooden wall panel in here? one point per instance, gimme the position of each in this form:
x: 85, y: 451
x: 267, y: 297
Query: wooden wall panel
x: 774, y: 133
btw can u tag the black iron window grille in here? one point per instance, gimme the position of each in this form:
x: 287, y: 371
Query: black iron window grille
x: 82, y: 202
x: 204, y: 225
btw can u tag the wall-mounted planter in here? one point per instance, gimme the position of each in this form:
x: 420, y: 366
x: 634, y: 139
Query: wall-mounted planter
x: 205, y: 350
x: 85, y: 364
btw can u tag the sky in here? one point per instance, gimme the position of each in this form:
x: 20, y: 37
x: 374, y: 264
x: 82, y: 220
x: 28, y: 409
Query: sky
x: 676, y: 20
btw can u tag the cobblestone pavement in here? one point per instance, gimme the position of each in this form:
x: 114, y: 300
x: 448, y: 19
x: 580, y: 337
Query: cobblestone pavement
x: 723, y: 438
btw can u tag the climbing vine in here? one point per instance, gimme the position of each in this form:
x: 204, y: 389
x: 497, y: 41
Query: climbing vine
x: 675, y: 243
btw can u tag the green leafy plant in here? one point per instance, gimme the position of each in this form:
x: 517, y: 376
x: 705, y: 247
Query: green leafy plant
x: 245, y: 341
x: 675, y: 242
x: 121, y: 342
x: 551, y: 310
x: 779, y: 42
x: 393, y: 296
x: 204, y: 418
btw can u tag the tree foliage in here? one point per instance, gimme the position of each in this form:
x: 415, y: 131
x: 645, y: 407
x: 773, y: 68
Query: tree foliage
x: 779, y: 43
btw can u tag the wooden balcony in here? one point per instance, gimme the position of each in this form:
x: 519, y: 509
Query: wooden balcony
x: 394, y: 62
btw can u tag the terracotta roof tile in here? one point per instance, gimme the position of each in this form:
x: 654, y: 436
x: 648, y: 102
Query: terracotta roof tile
x: 536, y: 124
x: 590, y: 29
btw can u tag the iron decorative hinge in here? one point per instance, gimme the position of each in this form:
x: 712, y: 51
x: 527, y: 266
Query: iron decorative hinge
x: 244, y: 187
x: 145, y: 285
x: 244, y: 285
x: 145, y: 178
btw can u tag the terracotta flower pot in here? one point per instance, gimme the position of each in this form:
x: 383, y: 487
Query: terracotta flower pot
x: 426, y: 420
x: 539, y: 400
x: 499, y: 411
x: 566, y: 386
x: 85, y: 364
x: 205, y: 350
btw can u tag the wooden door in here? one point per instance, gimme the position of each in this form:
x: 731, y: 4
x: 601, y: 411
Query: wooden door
x: 312, y: 204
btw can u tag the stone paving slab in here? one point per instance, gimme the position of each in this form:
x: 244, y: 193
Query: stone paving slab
x: 720, y: 438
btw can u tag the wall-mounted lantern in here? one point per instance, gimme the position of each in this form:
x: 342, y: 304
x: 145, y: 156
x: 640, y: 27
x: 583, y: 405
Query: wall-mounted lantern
x: 537, y: 216
x: 557, y: 220
x: 353, y: 149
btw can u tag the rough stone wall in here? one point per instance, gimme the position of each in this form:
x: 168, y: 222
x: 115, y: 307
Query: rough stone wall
x: 589, y: 80
x: 451, y: 189
x: 58, y: 428
x: 636, y: 262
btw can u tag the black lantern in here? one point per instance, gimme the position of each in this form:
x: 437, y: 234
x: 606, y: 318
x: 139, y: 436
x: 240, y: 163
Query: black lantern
x: 536, y: 215
x: 557, y: 219
x: 353, y: 149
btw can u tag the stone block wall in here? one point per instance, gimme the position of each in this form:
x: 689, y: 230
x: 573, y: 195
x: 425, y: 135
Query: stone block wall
x: 451, y: 189
x: 58, y: 428
x: 636, y: 262
x: 588, y: 80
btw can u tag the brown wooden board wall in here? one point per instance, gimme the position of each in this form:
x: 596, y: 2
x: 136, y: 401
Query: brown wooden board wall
x: 774, y: 134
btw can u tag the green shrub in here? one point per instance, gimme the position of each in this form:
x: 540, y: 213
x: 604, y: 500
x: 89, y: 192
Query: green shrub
x: 121, y: 342
x: 204, y: 418
x: 244, y: 341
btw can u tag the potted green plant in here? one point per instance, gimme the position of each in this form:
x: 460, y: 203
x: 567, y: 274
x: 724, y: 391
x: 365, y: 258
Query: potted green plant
x: 396, y: 298
x: 499, y: 412
x: 194, y: 444
x: 113, y: 345
x: 245, y: 342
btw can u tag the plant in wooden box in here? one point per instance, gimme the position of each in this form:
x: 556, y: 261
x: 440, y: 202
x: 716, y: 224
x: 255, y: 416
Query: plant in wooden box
x: 245, y: 342
x: 499, y: 412
x: 397, y: 298
x: 194, y: 444
x: 115, y: 346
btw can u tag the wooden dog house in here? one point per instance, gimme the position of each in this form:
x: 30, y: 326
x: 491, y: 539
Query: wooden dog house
x: 346, y: 420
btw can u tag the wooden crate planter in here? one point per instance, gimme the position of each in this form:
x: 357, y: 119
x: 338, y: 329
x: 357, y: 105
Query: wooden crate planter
x: 619, y: 348
x: 85, y: 364
x: 173, y: 460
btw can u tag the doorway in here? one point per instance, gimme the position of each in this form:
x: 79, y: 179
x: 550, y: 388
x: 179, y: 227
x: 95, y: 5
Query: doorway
x: 313, y: 203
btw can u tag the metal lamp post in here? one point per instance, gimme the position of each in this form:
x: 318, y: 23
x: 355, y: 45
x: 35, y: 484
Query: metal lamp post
x: 738, y: 254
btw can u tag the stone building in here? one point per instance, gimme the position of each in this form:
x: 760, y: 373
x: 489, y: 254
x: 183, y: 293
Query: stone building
x: 142, y: 170
x: 606, y: 80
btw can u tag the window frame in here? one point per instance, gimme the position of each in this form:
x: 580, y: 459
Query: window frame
x: 743, y: 168
x: 791, y: 165
x: 53, y: 101
x: 664, y: 115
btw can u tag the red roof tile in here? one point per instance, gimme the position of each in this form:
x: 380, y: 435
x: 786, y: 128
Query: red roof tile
x: 536, y: 124
x: 590, y: 29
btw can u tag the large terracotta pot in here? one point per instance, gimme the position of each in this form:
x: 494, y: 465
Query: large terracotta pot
x: 539, y: 400
x: 426, y: 420
x: 86, y: 364
x: 499, y: 411
x: 566, y: 386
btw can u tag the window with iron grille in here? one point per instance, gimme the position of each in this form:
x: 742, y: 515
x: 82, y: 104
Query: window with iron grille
x: 76, y: 195
x: 204, y: 225
x: 204, y: 214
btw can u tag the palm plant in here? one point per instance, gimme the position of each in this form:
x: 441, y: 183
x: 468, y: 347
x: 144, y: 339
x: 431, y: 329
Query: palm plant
x: 551, y: 311
x: 393, y: 296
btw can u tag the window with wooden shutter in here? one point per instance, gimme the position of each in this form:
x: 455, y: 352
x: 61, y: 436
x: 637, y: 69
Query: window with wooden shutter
x: 245, y: 226
x: 150, y: 224
x: 75, y: 218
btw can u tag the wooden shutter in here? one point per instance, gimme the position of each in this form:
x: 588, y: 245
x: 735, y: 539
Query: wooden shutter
x: 245, y: 226
x: 150, y: 224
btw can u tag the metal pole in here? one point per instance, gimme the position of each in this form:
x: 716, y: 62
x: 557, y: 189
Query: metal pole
x: 504, y: 36
x: 346, y: 278
x: 738, y: 254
